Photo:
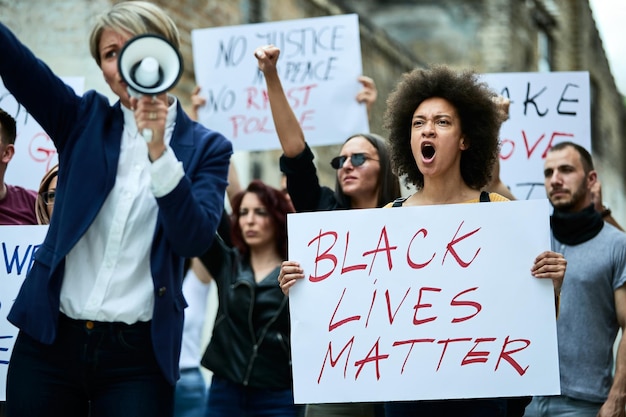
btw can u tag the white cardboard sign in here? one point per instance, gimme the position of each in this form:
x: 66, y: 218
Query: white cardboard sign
x: 418, y: 303
x: 319, y: 64
x: 546, y: 108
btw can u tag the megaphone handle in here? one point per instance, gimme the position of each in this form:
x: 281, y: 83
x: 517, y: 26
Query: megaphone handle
x: 147, y: 135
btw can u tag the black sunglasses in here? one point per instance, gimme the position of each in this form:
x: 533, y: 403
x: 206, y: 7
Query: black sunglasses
x: 356, y: 159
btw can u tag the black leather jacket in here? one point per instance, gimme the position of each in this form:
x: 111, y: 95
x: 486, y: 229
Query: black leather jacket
x: 250, y: 342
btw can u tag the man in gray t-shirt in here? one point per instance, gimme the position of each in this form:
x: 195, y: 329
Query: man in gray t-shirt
x: 593, y: 296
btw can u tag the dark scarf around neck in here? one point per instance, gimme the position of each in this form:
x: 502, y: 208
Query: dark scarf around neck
x: 575, y: 228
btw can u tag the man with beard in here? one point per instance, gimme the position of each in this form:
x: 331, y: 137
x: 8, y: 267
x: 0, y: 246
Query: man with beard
x: 593, y: 295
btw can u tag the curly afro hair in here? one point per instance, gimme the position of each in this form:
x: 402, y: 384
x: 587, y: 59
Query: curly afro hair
x: 474, y: 103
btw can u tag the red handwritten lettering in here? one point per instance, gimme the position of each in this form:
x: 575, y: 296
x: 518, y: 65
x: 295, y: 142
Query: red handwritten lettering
x: 41, y: 148
x: 356, y: 267
x: 332, y: 326
x: 252, y: 93
x: 531, y: 149
x: 412, y: 342
x: 324, y: 256
x: 333, y: 361
x: 305, y: 117
x: 460, y: 303
x: 474, y: 356
x: 299, y: 96
x: 408, y: 252
x: 506, y: 354
x: 369, y: 313
x: 248, y: 125
x: 387, y: 248
x: 426, y: 305
x: 445, y: 344
x: 507, y: 148
x: 371, y: 358
x: 554, y: 135
x: 393, y: 316
x: 454, y: 241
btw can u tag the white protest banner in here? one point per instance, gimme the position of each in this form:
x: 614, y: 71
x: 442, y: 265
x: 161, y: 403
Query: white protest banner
x: 431, y: 302
x: 319, y: 64
x: 17, y: 248
x: 546, y: 108
x: 35, y: 153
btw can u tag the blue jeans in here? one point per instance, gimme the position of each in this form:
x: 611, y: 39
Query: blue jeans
x: 190, y: 399
x: 561, y: 406
x: 227, y: 399
x: 483, y: 407
x: 92, y: 369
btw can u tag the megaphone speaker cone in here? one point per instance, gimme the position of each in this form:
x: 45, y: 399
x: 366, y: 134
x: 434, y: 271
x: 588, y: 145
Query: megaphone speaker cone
x: 149, y: 51
x: 147, y: 72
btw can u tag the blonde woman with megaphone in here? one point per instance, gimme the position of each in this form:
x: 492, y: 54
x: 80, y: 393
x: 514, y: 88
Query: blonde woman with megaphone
x: 100, y: 313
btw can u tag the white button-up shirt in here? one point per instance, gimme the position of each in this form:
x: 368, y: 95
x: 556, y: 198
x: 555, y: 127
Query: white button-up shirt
x: 107, y: 274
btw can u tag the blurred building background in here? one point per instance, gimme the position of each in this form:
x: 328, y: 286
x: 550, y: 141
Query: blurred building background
x: 396, y: 36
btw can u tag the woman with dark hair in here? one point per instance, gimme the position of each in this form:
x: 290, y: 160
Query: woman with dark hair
x: 364, y: 180
x: 444, y: 137
x: 249, y: 351
x: 477, y: 116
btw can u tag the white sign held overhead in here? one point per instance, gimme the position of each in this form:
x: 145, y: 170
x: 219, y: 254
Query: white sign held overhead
x: 546, y: 108
x: 319, y: 64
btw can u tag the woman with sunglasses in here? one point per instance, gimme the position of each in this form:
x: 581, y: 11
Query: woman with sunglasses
x: 364, y: 176
x: 364, y: 180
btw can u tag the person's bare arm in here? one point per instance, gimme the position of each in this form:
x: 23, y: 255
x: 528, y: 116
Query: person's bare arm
x: 201, y: 272
x: 197, y: 101
x: 287, y: 126
x: 550, y: 265
x: 616, y: 401
x: 496, y: 185
x: 290, y: 273
x: 368, y: 94
x: 596, y: 197
x: 234, y: 186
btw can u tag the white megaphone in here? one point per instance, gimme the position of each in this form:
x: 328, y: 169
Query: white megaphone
x: 150, y: 65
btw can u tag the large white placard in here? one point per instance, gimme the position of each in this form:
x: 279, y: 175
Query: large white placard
x: 416, y: 303
x: 319, y: 64
x: 35, y: 153
x: 546, y: 108
x: 17, y: 248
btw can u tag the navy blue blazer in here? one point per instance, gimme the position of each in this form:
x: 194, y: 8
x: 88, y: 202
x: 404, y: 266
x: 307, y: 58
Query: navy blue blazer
x: 87, y: 132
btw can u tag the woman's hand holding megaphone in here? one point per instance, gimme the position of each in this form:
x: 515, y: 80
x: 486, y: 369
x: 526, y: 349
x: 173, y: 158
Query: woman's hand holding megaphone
x: 150, y: 114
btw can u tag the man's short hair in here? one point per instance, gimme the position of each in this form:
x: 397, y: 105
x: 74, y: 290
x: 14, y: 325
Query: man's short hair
x: 585, y: 156
x: 7, y: 128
